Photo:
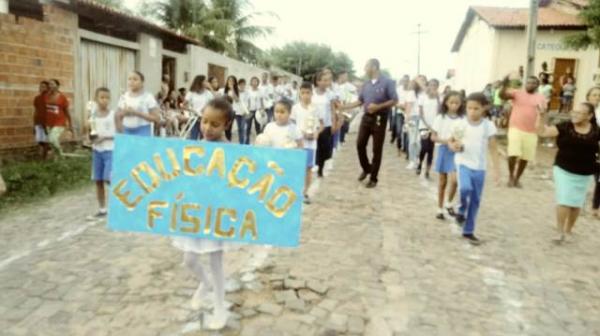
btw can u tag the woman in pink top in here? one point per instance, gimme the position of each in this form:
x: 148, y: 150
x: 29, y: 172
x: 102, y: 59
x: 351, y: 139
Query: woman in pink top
x: 522, y: 137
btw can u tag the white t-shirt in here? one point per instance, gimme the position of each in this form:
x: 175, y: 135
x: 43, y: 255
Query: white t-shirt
x: 105, y: 128
x: 197, y: 101
x: 283, y: 136
x: 268, y: 94
x: 322, y: 102
x: 345, y: 91
x: 401, y: 94
x: 143, y: 102
x: 307, y: 119
x: 411, y: 98
x: 254, y: 99
x: 475, y: 140
x: 430, y: 110
x: 443, y: 125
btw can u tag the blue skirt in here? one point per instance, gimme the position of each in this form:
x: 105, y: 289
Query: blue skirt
x: 571, y: 189
x: 444, y: 162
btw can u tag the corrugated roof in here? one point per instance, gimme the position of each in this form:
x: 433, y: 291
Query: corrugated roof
x: 517, y: 18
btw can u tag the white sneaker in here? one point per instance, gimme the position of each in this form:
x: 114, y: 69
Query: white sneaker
x: 411, y: 165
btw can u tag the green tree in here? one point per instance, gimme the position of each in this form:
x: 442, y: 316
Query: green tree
x: 306, y: 59
x: 590, y: 15
x: 241, y: 31
x: 225, y: 26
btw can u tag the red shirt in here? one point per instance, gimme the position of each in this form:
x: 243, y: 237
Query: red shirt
x: 56, y: 108
x: 39, y: 104
x: 525, y: 110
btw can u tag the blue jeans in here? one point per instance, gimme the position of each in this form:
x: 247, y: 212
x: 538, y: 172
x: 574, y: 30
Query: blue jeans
x: 470, y: 184
x: 251, y: 119
x: 240, y: 121
x: 269, y: 112
x: 399, y: 133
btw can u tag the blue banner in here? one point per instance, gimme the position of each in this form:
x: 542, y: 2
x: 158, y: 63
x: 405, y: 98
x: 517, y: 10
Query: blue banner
x: 210, y: 190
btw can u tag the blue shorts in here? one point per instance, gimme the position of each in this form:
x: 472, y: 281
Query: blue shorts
x: 445, y: 160
x: 145, y: 130
x: 310, y: 157
x: 101, y: 164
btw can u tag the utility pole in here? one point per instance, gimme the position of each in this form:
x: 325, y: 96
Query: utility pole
x: 531, y: 35
x: 419, y: 32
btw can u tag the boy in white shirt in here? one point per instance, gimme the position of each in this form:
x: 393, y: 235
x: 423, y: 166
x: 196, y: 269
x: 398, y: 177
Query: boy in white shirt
x: 311, y: 124
x: 102, y: 129
x: 470, y: 140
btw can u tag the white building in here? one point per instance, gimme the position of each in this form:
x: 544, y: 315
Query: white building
x: 492, y: 42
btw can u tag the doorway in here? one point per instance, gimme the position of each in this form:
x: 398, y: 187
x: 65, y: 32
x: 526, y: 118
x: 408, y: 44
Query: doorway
x: 168, y: 68
x: 560, y: 69
x: 218, y: 72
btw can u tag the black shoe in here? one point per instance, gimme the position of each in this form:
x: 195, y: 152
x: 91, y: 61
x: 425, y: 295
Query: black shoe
x: 460, y: 219
x: 306, y: 199
x: 371, y: 184
x: 363, y: 176
x: 451, y: 211
x: 471, y: 238
x: 440, y: 216
x: 427, y: 175
x: 418, y: 170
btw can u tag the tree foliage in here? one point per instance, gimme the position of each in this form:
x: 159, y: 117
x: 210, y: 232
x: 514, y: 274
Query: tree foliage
x: 306, y: 59
x: 225, y: 26
x: 591, y: 36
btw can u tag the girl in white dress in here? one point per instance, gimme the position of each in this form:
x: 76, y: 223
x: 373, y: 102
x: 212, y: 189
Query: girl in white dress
x: 216, y: 118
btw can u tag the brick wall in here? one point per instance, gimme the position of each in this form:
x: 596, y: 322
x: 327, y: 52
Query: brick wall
x: 32, y: 51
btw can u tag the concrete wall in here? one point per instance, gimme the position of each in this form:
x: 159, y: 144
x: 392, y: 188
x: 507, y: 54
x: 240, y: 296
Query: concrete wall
x: 489, y: 54
x: 512, y: 52
x: 149, y: 61
x: 32, y: 51
x: 201, y: 57
x: 475, y: 57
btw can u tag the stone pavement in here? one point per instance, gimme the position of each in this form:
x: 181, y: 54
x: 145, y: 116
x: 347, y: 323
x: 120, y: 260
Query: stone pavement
x: 373, y: 262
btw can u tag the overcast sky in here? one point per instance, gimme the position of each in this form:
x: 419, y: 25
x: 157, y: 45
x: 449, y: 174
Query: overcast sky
x: 374, y: 28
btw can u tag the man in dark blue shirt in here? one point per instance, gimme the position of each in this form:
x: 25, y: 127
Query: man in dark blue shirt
x: 378, y: 96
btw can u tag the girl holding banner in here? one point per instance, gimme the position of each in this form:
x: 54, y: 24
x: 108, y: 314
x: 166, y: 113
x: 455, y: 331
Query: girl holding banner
x: 217, y: 117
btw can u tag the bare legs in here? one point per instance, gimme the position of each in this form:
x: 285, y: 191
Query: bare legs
x: 446, y: 181
x: 565, y: 220
x: 101, y: 194
x: 516, y: 167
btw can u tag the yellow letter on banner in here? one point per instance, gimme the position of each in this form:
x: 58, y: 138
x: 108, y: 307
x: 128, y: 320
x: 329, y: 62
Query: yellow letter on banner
x: 144, y: 167
x: 152, y: 213
x: 234, y: 181
x: 218, y: 229
x: 161, y: 166
x: 281, y: 191
x: 217, y: 161
x: 187, y: 154
x: 249, y: 225
x: 187, y: 218
x: 122, y: 196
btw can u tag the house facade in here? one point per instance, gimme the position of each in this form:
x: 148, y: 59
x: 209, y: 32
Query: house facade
x: 86, y: 45
x: 492, y: 42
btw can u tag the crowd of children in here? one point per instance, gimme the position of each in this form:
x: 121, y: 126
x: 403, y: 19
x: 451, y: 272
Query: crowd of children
x: 310, y: 117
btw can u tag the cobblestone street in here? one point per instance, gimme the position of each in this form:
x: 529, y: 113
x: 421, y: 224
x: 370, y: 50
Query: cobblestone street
x: 371, y: 261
